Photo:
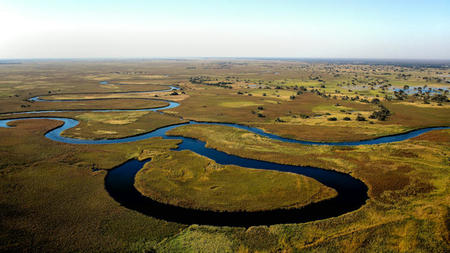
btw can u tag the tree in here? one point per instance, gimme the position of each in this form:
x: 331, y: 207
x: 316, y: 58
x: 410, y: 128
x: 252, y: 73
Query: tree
x: 439, y: 98
x: 381, y: 114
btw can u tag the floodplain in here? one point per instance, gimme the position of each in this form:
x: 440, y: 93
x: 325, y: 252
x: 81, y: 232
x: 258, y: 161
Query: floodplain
x: 53, y: 195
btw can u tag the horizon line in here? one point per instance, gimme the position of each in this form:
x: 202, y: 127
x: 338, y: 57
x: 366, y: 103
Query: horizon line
x: 226, y: 57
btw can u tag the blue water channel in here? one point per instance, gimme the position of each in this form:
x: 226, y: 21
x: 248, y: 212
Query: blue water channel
x: 119, y: 182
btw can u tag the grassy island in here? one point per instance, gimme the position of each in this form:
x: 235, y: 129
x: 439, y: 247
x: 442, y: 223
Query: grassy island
x: 193, y: 181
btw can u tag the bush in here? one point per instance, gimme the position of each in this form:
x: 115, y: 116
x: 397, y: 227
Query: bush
x: 347, y: 119
x: 381, y: 115
x: 375, y: 101
x: 439, y: 98
x: 360, y: 118
x: 332, y: 119
x: 303, y: 116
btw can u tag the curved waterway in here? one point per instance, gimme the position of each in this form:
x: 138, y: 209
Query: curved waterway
x: 119, y: 182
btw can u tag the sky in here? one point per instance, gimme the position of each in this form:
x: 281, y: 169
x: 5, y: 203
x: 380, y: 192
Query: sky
x: 395, y: 29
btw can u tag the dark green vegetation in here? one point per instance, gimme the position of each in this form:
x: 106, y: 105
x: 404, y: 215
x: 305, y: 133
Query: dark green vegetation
x: 189, y: 180
x: 51, y: 200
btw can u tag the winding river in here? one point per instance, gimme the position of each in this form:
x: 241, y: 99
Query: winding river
x: 119, y: 181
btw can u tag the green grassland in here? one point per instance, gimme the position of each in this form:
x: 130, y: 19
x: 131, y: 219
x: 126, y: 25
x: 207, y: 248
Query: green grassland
x: 51, y: 200
x: 224, y: 105
x: 408, y: 186
x: 190, y: 180
x: 82, y: 105
x: 110, y: 125
x: 100, y: 125
x: 402, y: 215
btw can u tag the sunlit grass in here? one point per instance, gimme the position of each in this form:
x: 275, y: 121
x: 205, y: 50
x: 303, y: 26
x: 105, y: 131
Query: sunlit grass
x: 189, y: 180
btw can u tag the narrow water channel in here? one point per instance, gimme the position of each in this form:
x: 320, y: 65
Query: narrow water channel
x: 119, y: 182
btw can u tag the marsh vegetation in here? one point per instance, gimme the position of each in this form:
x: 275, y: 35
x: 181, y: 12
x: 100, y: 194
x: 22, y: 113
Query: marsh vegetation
x: 51, y: 198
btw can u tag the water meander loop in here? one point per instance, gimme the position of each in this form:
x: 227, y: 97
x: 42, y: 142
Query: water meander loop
x: 119, y: 182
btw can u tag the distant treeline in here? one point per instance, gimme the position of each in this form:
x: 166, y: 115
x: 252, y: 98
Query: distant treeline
x: 414, y: 63
x: 208, y: 81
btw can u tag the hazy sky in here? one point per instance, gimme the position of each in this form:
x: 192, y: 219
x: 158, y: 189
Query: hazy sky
x: 165, y: 28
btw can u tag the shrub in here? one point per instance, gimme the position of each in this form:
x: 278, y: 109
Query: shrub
x: 375, y: 101
x: 360, y: 118
x: 303, y: 116
x: 439, y: 98
x: 382, y: 114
